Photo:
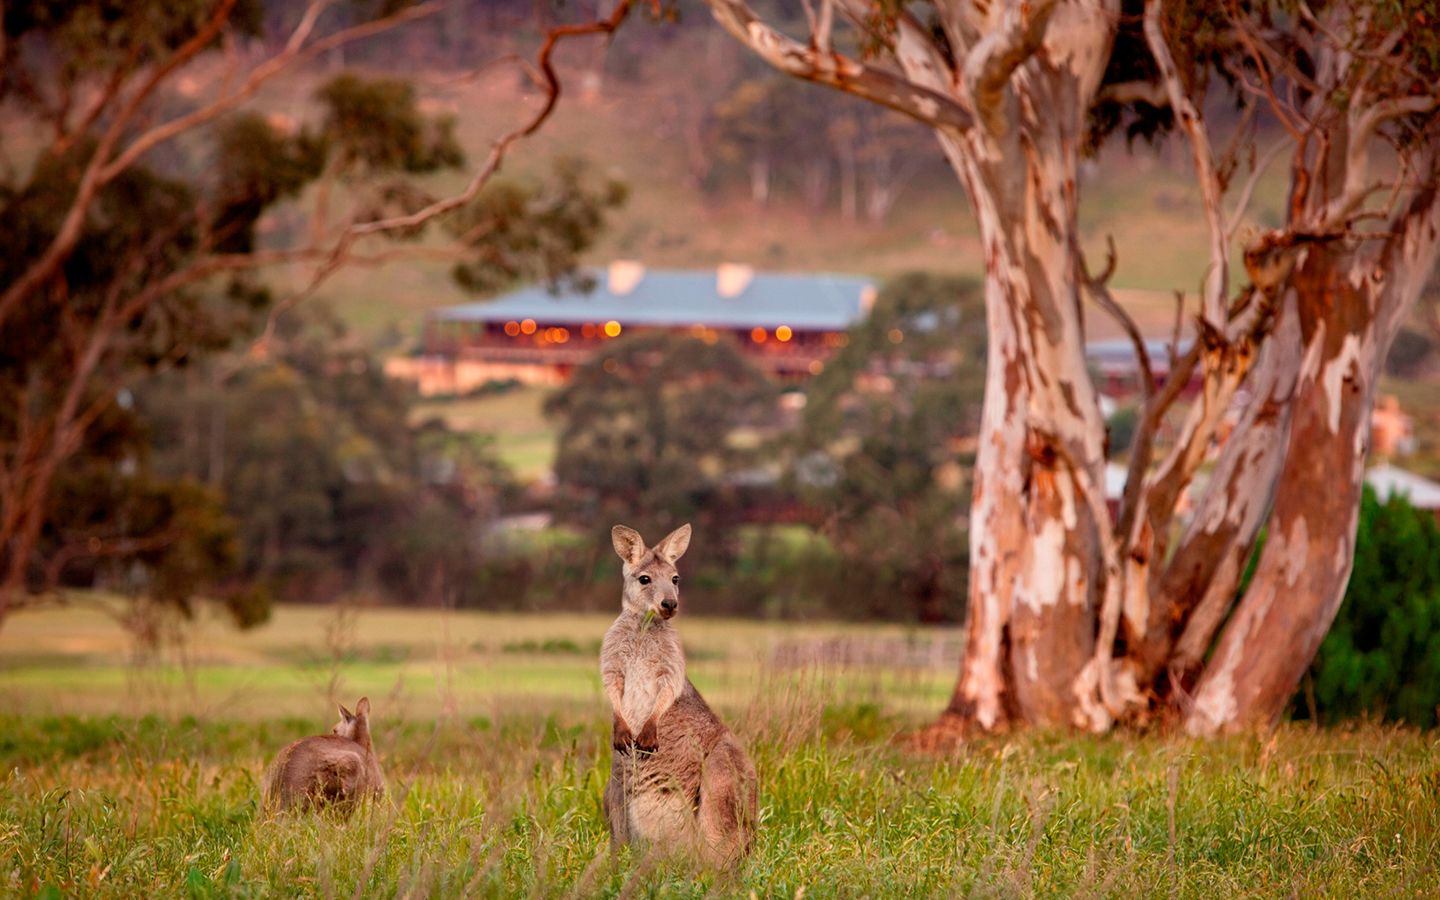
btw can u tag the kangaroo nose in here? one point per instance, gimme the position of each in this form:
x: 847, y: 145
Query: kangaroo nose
x: 667, y: 604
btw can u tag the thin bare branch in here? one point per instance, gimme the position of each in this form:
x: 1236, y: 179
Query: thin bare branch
x: 1098, y: 289
x: 341, y: 251
x: 1243, y: 201
x: 90, y: 182
x: 284, y: 61
x: 1365, y: 119
x: 838, y: 71
x: 1212, y: 299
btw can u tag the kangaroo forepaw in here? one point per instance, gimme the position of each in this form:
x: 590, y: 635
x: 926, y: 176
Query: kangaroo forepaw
x: 647, y: 741
x: 621, y: 738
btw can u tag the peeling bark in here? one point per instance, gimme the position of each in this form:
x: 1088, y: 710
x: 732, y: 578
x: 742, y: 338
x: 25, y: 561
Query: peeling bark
x: 1351, y: 304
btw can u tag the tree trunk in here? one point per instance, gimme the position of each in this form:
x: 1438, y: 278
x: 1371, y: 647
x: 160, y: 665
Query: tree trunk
x: 1196, y: 588
x: 1033, y: 539
x: 760, y: 179
x: 1351, y: 304
x: 848, y: 192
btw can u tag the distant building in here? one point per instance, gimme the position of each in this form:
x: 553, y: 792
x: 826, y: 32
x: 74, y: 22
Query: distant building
x: 790, y: 324
x: 1388, y: 481
x: 1117, y: 369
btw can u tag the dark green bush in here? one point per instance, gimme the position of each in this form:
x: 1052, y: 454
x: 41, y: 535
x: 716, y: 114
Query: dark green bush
x: 1382, y: 655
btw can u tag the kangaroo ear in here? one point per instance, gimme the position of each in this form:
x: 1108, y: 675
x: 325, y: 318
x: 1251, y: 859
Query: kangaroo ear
x: 629, y: 545
x: 362, y: 709
x: 345, y: 713
x: 675, y: 543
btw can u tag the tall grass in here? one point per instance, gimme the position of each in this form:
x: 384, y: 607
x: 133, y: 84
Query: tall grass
x: 498, y: 793
x: 151, y: 807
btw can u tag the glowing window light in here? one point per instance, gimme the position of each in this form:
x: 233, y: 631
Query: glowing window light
x: 587, y: 330
x: 783, y: 333
x: 612, y: 328
x: 758, y: 334
x: 561, y: 335
x: 896, y: 335
x: 527, y: 326
x: 512, y: 328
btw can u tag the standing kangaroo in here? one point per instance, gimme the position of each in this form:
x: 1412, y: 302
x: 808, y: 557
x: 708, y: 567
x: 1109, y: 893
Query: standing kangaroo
x: 336, y: 768
x: 679, y: 779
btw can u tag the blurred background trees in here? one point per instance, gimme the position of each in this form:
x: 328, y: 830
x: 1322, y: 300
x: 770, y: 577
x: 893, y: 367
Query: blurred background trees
x: 135, y: 222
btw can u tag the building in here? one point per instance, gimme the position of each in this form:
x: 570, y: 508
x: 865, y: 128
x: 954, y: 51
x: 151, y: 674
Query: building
x: 790, y: 324
x: 1388, y: 481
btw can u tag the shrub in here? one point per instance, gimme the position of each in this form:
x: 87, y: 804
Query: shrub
x: 1382, y: 655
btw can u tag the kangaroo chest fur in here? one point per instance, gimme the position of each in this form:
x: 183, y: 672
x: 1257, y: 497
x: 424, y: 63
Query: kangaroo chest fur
x: 649, y: 658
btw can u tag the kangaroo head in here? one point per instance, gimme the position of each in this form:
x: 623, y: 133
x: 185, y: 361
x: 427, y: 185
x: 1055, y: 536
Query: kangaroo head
x: 651, y: 582
x: 354, y: 726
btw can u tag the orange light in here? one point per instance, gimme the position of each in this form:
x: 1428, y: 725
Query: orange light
x: 758, y: 334
x: 561, y: 335
x: 816, y: 367
x: 896, y: 335
x: 587, y: 330
x: 527, y: 326
x: 512, y: 328
x: 612, y: 328
x: 783, y: 333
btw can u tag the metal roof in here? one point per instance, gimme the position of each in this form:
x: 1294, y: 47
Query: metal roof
x: 1388, y: 480
x: 682, y: 298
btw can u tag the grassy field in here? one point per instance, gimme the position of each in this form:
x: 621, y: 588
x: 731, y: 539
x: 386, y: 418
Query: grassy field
x: 524, y: 438
x: 123, y: 779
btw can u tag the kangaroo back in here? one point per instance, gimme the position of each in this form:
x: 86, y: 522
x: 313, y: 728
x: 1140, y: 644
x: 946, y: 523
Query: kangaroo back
x: 337, y: 769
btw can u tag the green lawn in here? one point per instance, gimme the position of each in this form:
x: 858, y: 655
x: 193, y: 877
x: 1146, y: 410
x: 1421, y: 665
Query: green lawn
x: 121, y: 780
x: 524, y: 438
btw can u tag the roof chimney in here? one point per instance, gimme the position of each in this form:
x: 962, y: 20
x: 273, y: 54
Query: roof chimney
x: 731, y: 279
x: 624, y: 275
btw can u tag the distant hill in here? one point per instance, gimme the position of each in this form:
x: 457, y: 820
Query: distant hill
x: 651, y: 110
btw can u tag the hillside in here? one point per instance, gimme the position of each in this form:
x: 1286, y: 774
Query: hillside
x: 632, y: 130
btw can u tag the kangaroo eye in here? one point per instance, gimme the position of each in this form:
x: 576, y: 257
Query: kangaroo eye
x: 644, y: 579
x: 675, y: 580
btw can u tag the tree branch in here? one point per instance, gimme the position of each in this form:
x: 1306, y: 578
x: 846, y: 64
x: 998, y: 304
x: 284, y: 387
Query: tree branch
x: 998, y: 54
x: 838, y: 71
x: 1212, y: 299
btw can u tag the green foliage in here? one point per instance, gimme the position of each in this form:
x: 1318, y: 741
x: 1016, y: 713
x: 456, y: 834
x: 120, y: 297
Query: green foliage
x: 879, y: 448
x: 376, y: 125
x: 90, y: 39
x: 320, y: 470
x: 648, y: 433
x: 257, y: 167
x: 329, y: 483
x: 1120, y: 430
x: 1382, y: 654
x: 533, y: 232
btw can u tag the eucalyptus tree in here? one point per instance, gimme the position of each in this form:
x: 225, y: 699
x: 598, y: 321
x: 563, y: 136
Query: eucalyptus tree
x: 1076, y: 616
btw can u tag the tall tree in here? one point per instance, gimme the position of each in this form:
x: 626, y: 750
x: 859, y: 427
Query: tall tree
x: 129, y: 257
x: 1075, y: 618
x: 887, y: 428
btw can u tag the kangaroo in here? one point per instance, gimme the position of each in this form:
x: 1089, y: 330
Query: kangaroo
x: 679, y: 779
x: 338, y: 768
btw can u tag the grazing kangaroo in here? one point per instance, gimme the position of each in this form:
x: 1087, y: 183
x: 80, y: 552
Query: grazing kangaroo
x: 338, y: 768
x: 679, y: 779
